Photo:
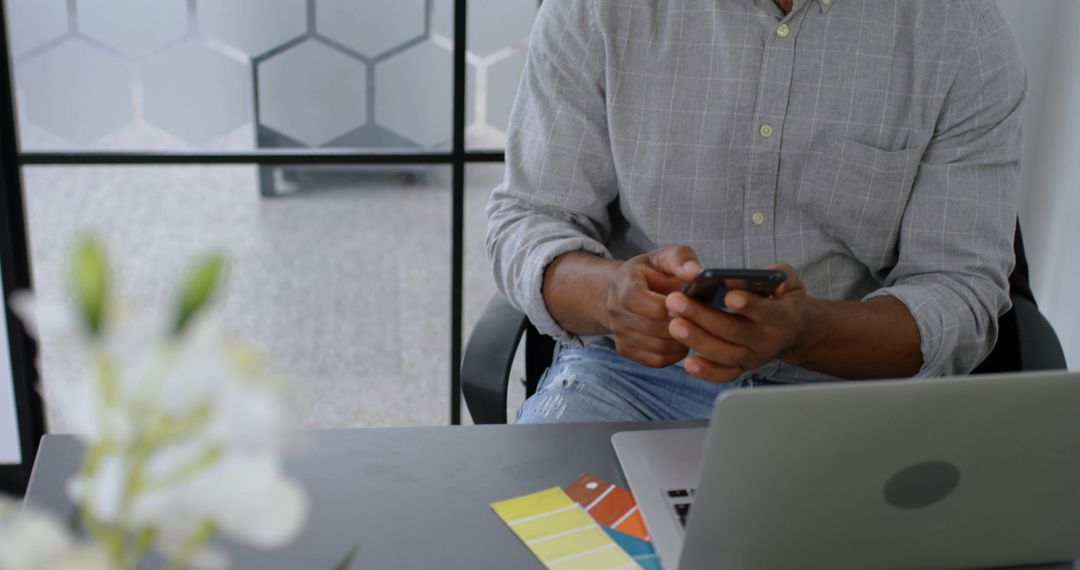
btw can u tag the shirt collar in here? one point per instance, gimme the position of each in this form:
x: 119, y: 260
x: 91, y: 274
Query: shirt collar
x: 825, y: 5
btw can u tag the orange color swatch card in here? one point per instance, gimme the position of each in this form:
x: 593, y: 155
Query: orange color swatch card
x: 609, y: 504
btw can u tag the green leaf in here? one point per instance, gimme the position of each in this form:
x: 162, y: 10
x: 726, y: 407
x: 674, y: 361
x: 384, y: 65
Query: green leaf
x: 90, y: 281
x: 198, y: 287
x: 347, y: 561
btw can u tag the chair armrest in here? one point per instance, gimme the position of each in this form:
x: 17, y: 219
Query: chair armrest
x: 485, y: 367
x: 1039, y: 346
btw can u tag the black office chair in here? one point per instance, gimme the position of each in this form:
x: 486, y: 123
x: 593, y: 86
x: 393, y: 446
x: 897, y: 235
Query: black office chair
x: 1026, y: 342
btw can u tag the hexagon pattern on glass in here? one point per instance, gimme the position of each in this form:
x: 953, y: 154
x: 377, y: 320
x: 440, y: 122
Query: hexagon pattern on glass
x: 492, y: 25
x: 370, y: 27
x: 133, y: 26
x: 499, y: 24
x: 502, y: 83
x: 253, y: 26
x: 498, y: 34
x: 413, y: 94
x: 442, y: 19
x: 33, y: 23
x: 196, y: 93
x: 77, y: 91
x: 312, y: 93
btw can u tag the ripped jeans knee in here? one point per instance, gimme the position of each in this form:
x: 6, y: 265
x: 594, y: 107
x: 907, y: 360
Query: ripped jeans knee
x: 572, y: 390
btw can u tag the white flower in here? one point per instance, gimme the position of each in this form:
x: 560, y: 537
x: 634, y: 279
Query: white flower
x: 247, y: 496
x: 227, y: 469
x: 117, y: 360
x: 250, y: 403
x: 101, y: 491
x: 83, y: 557
x: 184, y: 427
x: 36, y: 541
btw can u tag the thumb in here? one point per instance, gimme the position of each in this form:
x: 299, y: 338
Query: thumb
x: 792, y: 283
x: 678, y: 261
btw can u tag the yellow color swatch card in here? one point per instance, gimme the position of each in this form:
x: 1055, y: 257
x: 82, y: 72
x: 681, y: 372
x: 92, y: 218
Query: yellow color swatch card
x: 560, y: 533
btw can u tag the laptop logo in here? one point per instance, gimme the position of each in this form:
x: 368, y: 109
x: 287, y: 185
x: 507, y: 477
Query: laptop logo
x: 922, y: 484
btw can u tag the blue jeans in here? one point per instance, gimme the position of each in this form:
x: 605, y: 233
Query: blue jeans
x: 597, y: 384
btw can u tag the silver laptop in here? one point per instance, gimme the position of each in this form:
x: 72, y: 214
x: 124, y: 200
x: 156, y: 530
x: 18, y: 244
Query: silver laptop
x: 945, y: 473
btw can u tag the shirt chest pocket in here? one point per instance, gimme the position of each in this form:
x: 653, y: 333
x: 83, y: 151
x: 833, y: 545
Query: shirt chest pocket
x: 856, y: 194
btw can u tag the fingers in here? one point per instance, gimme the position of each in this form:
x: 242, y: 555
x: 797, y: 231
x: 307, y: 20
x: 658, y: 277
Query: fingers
x: 717, y: 322
x: 765, y: 309
x: 627, y: 323
x: 639, y: 323
x: 651, y: 343
x: 792, y: 283
x: 679, y: 261
x: 754, y: 307
x: 663, y: 283
x: 716, y: 349
x: 657, y: 355
x: 752, y: 331
x: 642, y: 301
x: 637, y: 314
x: 706, y: 370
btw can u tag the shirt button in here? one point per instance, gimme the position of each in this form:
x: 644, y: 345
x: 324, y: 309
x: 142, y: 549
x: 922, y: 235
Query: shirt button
x: 783, y: 30
x: 758, y: 218
x: 766, y: 130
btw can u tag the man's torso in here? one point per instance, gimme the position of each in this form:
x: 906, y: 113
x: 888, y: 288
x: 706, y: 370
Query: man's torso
x: 756, y: 137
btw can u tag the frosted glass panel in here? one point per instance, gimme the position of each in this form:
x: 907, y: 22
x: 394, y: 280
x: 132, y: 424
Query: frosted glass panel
x: 408, y: 98
x: 196, y: 93
x: 312, y: 93
x: 252, y: 26
x: 133, y: 26
x: 231, y: 75
x: 371, y: 27
x: 345, y: 284
x: 214, y: 74
x: 35, y: 23
x: 498, y: 41
x: 76, y: 91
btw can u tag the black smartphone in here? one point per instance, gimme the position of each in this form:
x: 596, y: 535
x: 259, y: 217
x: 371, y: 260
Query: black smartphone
x: 711, y: 285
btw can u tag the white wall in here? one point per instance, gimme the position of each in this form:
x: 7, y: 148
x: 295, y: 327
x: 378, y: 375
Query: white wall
x: 1050, y: 202
x: 10, y: 452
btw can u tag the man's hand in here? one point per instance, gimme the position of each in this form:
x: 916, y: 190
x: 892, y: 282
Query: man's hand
x: 634, y: 308
x: 876, y: 338
x: 757, y: 329
x: 588, y: 295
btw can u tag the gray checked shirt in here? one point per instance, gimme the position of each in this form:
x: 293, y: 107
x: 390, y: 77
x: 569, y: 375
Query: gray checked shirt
x: 872, y: 144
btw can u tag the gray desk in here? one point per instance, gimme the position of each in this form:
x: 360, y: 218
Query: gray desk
x: 404, y: 497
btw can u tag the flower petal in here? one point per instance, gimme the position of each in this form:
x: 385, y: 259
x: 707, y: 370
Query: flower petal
x: 254, y: 502
x: 32, y: 540
x: 84, y: 557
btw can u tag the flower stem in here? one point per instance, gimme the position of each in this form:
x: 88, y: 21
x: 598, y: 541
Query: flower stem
x: 193, y: 545
x: 143, y: 542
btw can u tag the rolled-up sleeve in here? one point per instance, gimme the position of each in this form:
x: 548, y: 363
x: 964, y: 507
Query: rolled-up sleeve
x: 956, y: 235
x: 560, y: 178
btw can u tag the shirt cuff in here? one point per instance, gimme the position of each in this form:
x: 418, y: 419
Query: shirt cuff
x: 939, y: 329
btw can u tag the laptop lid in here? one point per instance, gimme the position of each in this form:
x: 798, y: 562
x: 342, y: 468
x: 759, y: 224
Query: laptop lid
x: 940, y: 473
